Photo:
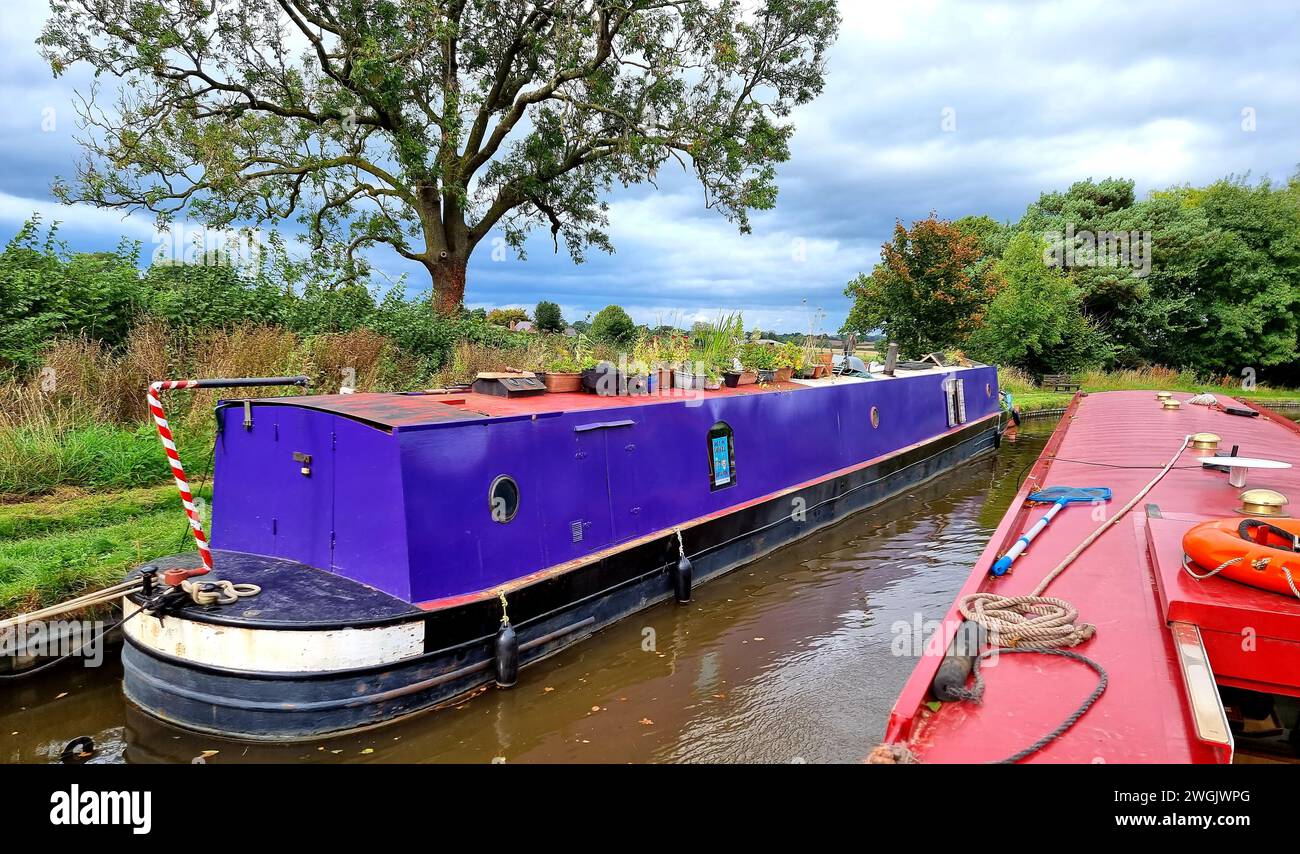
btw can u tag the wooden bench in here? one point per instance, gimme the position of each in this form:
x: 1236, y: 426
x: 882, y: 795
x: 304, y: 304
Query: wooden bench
x: 1059, y: 382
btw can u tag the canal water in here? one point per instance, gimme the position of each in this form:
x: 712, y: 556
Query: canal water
x: 788, y: 659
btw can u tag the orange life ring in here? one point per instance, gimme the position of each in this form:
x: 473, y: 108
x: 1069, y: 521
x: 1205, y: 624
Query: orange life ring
x: 1268, y: 551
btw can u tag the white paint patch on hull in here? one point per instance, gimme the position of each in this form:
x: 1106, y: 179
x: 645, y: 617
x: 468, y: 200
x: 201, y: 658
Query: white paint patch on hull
x: 272, y: 650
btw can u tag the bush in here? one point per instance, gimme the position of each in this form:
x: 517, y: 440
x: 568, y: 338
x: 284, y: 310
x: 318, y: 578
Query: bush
x: 1036, y: 322
x: 506, y: 317
x: 613, y: 326
x: 47, y: 292
x: 548, y: 318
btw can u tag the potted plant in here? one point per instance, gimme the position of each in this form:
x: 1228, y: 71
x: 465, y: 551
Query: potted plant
x: 787, y: 358
x: 760, y: 359
x: 563, y: 374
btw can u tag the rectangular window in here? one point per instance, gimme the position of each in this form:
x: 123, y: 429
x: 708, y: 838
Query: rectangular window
x: 721, y: 461
x: 722, y: 457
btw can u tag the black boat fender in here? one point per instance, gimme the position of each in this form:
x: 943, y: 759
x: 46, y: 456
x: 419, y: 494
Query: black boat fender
x: 682, y: 574
x: 506, y: 656
x: 950, y: 679
x: 505, y: 650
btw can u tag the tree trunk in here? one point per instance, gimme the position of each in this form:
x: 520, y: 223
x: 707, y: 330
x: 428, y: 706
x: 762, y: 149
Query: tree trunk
x: 448, y: 284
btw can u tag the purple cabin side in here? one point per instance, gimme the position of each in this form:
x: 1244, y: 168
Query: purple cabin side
x: 407, y: 508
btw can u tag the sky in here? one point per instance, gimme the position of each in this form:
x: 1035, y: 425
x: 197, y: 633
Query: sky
x: 954, y: 107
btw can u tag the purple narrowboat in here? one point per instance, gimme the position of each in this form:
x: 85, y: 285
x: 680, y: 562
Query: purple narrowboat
x: 411, y: 547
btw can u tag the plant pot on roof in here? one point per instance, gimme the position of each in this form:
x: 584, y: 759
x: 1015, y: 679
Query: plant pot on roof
x: 563, y: 374
x: 732, y: 379
x: 685, y: 377
x: 759, y: 358
x: 787, y: 358
x: 606, y: 380
x: 601, y: 378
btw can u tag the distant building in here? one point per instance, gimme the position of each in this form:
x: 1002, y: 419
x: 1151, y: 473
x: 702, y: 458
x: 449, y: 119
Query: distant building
x: 523, y: 326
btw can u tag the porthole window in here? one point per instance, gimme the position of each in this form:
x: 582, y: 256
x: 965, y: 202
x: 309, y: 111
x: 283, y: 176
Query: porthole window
x: 503, y: 499
x: 988, y: 390
x: 875, y: 417
x: 722, y: 456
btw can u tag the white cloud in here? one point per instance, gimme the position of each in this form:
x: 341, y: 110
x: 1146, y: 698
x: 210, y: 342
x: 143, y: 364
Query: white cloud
x: 1044, y: 94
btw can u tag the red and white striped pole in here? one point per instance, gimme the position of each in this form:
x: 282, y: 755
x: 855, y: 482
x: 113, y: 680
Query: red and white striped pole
x: 178, y: 471
x: 174, y: 457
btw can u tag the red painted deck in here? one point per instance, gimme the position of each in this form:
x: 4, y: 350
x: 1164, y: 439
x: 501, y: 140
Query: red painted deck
x: 1130, y: 585
x: 411, y: 409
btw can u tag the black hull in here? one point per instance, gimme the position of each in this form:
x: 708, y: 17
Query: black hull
x: 555, y: 612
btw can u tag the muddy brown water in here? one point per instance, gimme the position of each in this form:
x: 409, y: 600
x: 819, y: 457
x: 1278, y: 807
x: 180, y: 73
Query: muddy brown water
x: 787, y: 659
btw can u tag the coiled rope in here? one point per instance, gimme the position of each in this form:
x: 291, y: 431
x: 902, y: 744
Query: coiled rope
x: 1044, y: 624
x: 219, y: 592
x: 1035, y: 621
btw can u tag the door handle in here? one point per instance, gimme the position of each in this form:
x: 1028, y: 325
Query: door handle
x: 602, y: 425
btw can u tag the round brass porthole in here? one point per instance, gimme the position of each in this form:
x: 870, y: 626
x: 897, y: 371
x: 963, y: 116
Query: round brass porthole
x: 875, y: 417
x: 988, y: 389
x: 503, y: 499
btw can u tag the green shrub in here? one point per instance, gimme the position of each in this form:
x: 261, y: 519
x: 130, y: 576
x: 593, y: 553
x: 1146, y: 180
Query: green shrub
x: 548, y: 318
x: 613, y: 326
x: 47, y: 292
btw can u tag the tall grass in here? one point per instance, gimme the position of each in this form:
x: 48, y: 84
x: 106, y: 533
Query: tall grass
x: 1030, y: 396
x: 82, y: 420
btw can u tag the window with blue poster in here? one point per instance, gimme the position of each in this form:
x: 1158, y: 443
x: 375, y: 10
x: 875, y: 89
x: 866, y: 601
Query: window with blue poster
x: 722, y: 456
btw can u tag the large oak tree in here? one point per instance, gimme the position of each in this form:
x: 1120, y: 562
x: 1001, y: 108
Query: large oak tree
x: 425, y: 124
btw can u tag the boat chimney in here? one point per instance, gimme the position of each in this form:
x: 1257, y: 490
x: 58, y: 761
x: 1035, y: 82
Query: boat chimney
x: 891, y: 360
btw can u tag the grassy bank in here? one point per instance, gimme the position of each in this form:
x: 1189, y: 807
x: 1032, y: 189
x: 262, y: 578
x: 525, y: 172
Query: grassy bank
x: 1030, y: 398
x: 70, y: 542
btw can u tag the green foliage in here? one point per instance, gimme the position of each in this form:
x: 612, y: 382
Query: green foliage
x: 717, y: 344
x: 789, y: 355
x: 613, y: 326
x: 758, y: 357
x: 47, y: 291
x: 1036, y: 321
x: 548, y: 317
x: 190, y: 297
x: 75, y: 544
x: 928, y: 292
x: 38, y: 458
x: 506, y: 317
x: 429, y: 336
x: 1199, y: 279
x: 423, y: 125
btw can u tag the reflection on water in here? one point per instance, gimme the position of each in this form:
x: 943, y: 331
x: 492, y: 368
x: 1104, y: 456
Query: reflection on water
x: 785, y: 660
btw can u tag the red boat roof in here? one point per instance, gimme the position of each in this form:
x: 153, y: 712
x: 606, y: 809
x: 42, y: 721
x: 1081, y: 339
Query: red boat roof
x: 1131, y: 585
x: 412, y: 409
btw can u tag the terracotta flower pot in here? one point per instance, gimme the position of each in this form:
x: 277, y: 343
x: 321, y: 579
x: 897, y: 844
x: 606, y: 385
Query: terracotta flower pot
x: 557, y: 383
x: 783, y: 375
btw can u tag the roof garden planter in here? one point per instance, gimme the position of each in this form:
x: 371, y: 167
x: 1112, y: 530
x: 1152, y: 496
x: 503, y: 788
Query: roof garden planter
x: 739, y: 378
x: 688, y: 380
x: 559, y: 382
